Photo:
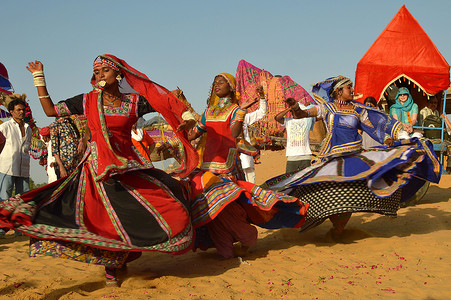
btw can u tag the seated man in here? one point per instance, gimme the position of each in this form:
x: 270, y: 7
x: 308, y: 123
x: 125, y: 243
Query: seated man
x: 429, y: 109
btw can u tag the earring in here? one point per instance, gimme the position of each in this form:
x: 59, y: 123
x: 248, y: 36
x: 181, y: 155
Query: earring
x: 118, y: 78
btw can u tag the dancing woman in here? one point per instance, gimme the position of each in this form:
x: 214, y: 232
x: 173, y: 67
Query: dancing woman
x: 347, y: 179
x: 115, y: 203
x: 222, y: 122
x: 220, y: 180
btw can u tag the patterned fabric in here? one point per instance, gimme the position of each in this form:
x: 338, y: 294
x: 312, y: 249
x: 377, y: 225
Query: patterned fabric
x: 265, y: 208
x: 164, y: 102
x: 220, y: 152
x: 99, y: 61
x: 343, y: 124
x: 131, y: 208
x: 385, y: 168
x: 61, y: 109
x: 383, y: 176
x: 111, y: 148
x: 347, y: 179
x: 103, y: 220
x: 77, y: 252
x: 276, y: 89
x: 331, y: 198
x: 64, y: 136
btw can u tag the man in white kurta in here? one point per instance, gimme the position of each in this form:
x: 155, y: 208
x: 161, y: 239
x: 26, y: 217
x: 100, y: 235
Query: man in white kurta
x: 15, y: 157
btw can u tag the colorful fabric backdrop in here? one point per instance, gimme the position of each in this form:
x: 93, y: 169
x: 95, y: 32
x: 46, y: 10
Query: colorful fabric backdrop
x: 277, y: 88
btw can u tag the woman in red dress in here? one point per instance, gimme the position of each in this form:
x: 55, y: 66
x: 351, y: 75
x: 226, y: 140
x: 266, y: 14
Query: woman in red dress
x: 114, y: 204
x: 221, y: 181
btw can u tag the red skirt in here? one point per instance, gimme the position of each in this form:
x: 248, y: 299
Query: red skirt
x: 141, y: 210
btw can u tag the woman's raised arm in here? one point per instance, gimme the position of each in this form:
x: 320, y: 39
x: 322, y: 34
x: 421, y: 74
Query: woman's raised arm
x: 37, y: 69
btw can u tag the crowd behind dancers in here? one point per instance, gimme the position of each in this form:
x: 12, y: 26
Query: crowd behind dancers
x: 125, y: 206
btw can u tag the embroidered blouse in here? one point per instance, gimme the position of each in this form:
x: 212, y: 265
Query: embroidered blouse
x: 343, y: 126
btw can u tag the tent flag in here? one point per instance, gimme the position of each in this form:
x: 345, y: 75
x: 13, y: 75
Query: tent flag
x: 403, y: 49
x: 5, y: 85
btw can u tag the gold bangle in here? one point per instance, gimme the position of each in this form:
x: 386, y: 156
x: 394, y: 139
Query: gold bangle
x: 46, y: 96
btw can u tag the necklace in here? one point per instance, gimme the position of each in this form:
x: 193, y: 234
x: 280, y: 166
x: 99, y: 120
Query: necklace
x: 110, y: 102
x: 341, y: 102
x: 222, y: 103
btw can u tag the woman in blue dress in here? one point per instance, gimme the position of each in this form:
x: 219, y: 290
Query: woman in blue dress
x: 345, y: 178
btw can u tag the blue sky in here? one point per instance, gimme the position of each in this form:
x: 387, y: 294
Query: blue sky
x: 186, y: 43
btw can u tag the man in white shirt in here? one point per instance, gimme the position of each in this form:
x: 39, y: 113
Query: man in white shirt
x: 298, y: 133
x: 247, y: 161
x: 15, y: 158
x: 430, y: 109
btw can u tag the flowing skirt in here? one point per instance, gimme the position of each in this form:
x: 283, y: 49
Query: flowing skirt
x: 375, y: 180
x: 100, y: 222
x: 212, y: 195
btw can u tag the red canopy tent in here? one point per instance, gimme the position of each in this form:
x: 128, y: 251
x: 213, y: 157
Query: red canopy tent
x: 403, y: 49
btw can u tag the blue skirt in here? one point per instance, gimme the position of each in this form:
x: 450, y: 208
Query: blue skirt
x: 375, y: 180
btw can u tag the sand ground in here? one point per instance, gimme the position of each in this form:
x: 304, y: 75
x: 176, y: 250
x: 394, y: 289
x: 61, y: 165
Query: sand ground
x: 407, y: 257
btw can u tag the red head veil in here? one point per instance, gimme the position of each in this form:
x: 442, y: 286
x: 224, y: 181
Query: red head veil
x: 164, y: 102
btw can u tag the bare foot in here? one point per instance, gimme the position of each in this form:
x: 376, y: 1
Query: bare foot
x: 111, y: 283
x: 240, y: 250
x: 334, y: 236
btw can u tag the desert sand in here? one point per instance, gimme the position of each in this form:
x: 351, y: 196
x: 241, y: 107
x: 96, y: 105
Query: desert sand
x: 408, y: 257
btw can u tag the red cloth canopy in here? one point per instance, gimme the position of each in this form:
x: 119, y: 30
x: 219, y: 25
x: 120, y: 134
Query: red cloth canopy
x: 402, y: 49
